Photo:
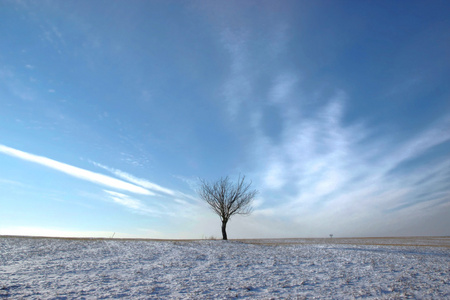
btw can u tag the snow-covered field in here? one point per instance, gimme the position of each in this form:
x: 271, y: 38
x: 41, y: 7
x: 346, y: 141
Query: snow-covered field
x: 263, y: 269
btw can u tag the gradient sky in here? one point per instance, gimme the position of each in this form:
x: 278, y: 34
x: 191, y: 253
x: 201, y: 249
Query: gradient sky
x: 337, y: 111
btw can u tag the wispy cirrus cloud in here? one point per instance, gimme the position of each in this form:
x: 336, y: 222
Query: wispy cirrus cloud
x: 138, y: 181
x: 242, y: 84
x: 323, y: 169
x: 178, y: 207
x: 282, y: 88
x: 16, y: 87
x: 237, y: 88
x: 176, y: 204
x: 313, y: 164
x: 131, y: 203
x: 75, y: 171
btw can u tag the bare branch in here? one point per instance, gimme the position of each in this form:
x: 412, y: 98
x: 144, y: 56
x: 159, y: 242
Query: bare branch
x: 227, y: 199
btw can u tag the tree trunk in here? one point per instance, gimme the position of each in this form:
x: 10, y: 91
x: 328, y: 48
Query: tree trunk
x: 224, y: 231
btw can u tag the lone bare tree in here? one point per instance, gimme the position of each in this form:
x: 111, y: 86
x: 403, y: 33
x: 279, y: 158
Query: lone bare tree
x: 226, y: 198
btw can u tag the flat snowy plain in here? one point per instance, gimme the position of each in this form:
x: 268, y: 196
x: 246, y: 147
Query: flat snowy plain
x: 382, y: 268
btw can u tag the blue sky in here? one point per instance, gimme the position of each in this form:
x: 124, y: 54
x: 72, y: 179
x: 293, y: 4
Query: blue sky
x: 338, y: 111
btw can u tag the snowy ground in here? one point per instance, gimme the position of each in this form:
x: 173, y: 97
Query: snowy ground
x: 303, y: 268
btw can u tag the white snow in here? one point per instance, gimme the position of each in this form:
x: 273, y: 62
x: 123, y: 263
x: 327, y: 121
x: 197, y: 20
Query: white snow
x: 47, y: 268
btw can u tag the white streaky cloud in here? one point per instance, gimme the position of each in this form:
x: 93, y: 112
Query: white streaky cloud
x: 237, y: 88
x: 192, y: 183
x: 282, y: 88
x: 11, y: 182
x: 182, y: 202
x: 274, y: 175
x: 330, y: 181
x: 314, y: 153
x: 138, y: 181
x: 244, y: 74
x: 125, y: 200
x: 75, y: 171
x: 131, y: 203
x: 176, y: 209
x: 258, y: 202
x: 17, y: 88
x: 335, y: 175
x: 438, y: 133
x: 186, y: 196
